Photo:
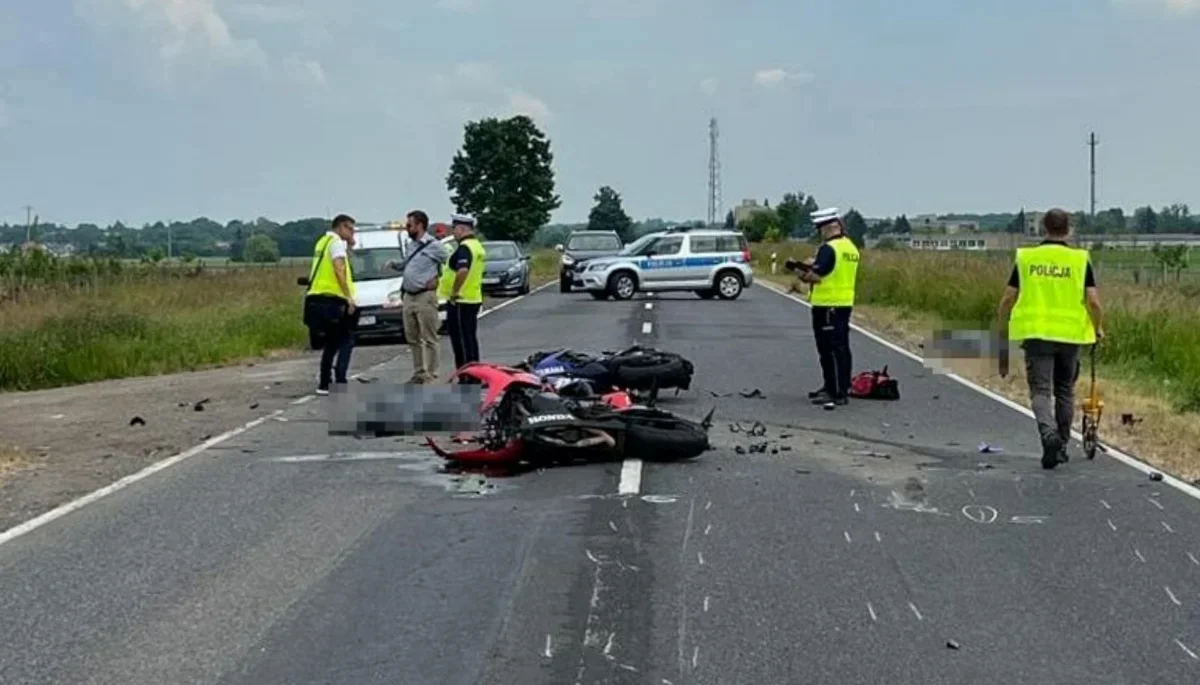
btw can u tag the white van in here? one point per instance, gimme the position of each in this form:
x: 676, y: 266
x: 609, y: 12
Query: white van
x: 375, y: 285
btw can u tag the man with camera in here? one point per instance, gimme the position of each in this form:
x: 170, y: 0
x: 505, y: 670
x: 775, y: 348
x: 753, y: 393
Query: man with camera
x: 832, y: 275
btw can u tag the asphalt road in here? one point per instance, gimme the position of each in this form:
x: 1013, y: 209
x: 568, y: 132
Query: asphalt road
x: 856, y: 555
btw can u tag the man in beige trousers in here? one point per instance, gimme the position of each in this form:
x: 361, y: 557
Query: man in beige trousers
x: 422, y: 266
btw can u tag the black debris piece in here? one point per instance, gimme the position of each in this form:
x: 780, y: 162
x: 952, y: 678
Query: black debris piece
x: 1155, y: 476
x: 137, y: 421
x: 183, y: 404
x: 758, y: 447
x: 734, y: 428
x: 872, y: 453
x: 803, y: 472
x: 739, y: 449
x: 784, y: 436
x: 1129, y: 420
x: 937, y: 397
x: 714, y: 393
x: 753, y: 394
x: 254, y: 406
x: 785, y: 448
x: 774, y: 450
x: 951, y: 644
x: 199, y: 406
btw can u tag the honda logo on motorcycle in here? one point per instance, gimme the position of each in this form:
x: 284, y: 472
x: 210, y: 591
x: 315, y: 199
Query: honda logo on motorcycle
x: 545, y: 418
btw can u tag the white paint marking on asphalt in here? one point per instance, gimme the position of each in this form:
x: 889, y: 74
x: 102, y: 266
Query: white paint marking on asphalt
x: 1139, y: 554
x: 695, y: 655
x: 304, y: 399
x: 971, y: 493
x: 980, y: 513
x: 1164, y: 525
x: 613, y: 526
x: 877, y: 538
x: 1128, y: 460
x: 646, y: 327
x: 700, y: 557
x: 59, y: 512
x: 1172, y: 596
x: 1193, y: 558
x: 1112, y: 525
x: 546, y: 652
x: 631, y: 477
x: 609, y: 645
x: 1155, y: 503
x: 872, y: 610
x: 1189, y: 652
x: 1106, y: 505
x: 915, y: 611
x: 847, y: 536
x: 852, y: 493
x: 856, y: 507
x: 708, y: 506
x: 708, y: 529
x: 706, y: 598
x: 627, y: 667
x: 76, y: 504
x: 649, y: 306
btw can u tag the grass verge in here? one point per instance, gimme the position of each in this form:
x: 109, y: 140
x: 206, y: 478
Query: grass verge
x: 11, y: 459
x: 1148, y: 367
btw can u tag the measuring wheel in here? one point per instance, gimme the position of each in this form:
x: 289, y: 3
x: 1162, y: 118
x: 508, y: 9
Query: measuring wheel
x: 1089, y: 437
x: 1093, y: 406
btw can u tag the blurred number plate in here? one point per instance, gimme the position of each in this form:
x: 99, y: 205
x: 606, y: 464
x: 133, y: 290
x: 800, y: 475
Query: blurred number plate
x: 366, y: 321
x: 491, y: 281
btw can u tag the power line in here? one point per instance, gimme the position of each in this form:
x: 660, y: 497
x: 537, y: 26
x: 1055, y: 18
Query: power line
x: 714, y: 173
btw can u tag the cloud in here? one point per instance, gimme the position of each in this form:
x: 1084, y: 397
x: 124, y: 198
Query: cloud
x: 475, y: 89
x: 769, y: 78
x: 269, y: 13
x: 534, y: 108
x: 709, y: 86
x: 1174, y: 7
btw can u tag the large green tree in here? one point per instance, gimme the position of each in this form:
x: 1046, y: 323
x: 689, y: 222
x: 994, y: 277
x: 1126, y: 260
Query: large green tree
x: 504, y: 176
x: 795, y: 213
x: 856, y: 226
x: 609, y: 215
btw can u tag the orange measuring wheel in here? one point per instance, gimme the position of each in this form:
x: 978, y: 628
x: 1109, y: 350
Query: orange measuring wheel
x: 1093, y: 407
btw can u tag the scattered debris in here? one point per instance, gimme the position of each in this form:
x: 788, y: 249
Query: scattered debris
x: 785, y: 448
x: 985, y: 448
x: 871, y: 453
x: 937, y: 397
x: 756, y: 429
x: 758, y: 447
x: 952, y: 644
x: 784, y: 436
x: 199, y: 406
x: 1155, y: 476
x: 361, y: 379
x: 803, y: 472
x: 753, y: 394
x: 739, y: 449
x: 714, y: 393
x: 137, y: 421
x: 254, y: 406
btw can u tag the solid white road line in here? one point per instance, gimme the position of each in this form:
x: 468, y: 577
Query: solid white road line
x: 646, y: 328
x: 1128, y: 460
x: 631, y: 477
x: 61, y: 511
x: 649, y: 305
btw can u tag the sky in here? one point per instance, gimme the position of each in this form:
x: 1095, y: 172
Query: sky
x: 148, y: 110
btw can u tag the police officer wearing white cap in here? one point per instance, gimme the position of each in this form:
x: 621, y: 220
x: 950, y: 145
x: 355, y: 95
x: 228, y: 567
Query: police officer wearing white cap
x: 833, y: 275
x: 466, y: 290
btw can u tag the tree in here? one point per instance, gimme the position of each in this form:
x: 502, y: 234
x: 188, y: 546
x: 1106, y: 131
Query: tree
x: 856, y: 226
x: 1145, y: 220
x: 795, y: 213
x: 261, y: 249
x: 504, y: 176
x: 1017, y: 225
x: 730, y: 222
x: 759, y: 224
x: 902, y: 225
x: 609, y: 215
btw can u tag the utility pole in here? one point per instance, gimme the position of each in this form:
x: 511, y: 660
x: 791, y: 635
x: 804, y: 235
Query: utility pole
x: 714, y: 173
x: 1092, y: 143
x: 28, y: 223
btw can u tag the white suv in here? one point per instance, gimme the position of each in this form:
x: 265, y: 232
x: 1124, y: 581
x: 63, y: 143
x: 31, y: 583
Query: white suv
x: 710, y: 262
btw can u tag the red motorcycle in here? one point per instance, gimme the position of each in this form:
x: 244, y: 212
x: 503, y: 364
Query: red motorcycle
x: 524, y: 419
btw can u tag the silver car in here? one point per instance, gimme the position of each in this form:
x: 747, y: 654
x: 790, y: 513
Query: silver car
x: 710, y: 262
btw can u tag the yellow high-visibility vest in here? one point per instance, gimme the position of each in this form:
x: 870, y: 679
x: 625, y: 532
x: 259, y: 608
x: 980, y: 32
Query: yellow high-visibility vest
x: 837, y: 288
x: 1051, y: 304
x: 322, y: 278
x: 472, y: 288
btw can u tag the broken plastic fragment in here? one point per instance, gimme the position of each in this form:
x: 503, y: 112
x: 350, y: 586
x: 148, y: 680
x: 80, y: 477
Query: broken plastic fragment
x: 1156, y: 476
x: 985, y: 448
x: 137, y: 421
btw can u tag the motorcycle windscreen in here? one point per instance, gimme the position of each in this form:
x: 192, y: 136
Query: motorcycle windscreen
x: 383, y: 409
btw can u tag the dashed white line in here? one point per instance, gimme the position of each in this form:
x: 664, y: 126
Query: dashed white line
x: 708, y: 506
x: 852, y: 493
x: 1155, y: 503
x: 695, y: 655
x: 304, y: 399
x: 1106, y: 505
x: 646, y: 327
x: 547, y: 652
x: 707, y: 529
x: 847, y: 534
x: 700, y: 557
x: 649, y: 305
x: 1172, y: 596
x: 856, y: 508
x: 706, y: 598
x: 1188, y: 651
x: 609, y: 645
x: 631, y: 477
x: 1112, y: 525
x: 613, y: 526
x: 872, y: 610
x: 1169, y: 529
x: 1193, y: 558
x: 915, y: 611
x: 1139, y: 555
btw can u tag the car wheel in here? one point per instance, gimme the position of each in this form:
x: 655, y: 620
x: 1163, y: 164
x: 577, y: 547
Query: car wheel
x: 598, y: 295
x: 564, y: 284
x: 729, y: 285
x: 524, y: 289
x: 622, y: 285
x: 707, y: 294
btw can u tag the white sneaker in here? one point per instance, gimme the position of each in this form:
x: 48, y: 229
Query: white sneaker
x: 322, y: 391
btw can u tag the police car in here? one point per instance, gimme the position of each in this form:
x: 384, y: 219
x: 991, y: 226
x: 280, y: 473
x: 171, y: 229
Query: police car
x: 709, y: 262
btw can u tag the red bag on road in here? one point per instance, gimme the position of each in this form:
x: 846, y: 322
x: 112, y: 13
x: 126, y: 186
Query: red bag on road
x: 875, y: 385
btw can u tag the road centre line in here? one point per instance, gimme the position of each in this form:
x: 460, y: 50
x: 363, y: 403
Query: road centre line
x: 646, y: 327
x: 631, y: 477
x: 76, y: 504
x: 1127, y: 459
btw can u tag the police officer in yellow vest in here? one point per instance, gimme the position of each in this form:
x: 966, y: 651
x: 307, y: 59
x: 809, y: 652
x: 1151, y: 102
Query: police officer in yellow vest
x: 329, y: 309
x: 466, y: 290
x: 1051, y: 305
x: 833, y: 275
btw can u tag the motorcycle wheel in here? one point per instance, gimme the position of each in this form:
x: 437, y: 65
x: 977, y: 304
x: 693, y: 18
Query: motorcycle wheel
x: 655, y: 435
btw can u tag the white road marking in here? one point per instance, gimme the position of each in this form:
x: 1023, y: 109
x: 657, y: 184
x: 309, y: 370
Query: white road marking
x: 1139, y: 554
x: 971, y: 493
x: 1155, y: 503
x: 872, y: 610
x: 631, y: 477
x: 1106, y: 505
x: 302, y: 400
x: 546, y: 652
x: 700, y: 557
x: 695, y: 655
x: 852, y: 493
x: 613, y: 526
x: 1112, y: 525
x: 707, y: 529
x: 76, y: 504
x: 1193, y: 558
x: 856, y: 508
x: 627, y: 667
x: 708, y: 506
x: 877, y: 538
x: 1164, y: 525
x: 59, y: 512
x: 646, y: 327
x: 1189, y: 652
x: 980, y: 513
x: 1128, y: 460
x: 915, y: 611
x: 847, y: 534
x: 706, y: 598
x: 609, y: 645
x: 649, y: 305
x: 1173, y: 597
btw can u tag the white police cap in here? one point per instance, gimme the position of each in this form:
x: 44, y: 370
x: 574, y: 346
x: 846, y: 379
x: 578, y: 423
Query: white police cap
x: 824, y: 216
x: 463, y: 219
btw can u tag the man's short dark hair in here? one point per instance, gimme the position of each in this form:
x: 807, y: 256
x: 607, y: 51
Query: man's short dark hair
x: 341, y: 219
x: 420, y: 217
x: 1057, y: 223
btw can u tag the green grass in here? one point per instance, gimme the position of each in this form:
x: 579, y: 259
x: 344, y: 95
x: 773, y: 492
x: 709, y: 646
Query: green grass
x: 1153, y: 331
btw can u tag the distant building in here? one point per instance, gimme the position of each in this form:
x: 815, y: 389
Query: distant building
x: 1136, y: 241
x: 975, y: 240
x: 747, y: 209
x: 1033, y: 224
x: 931, y: 223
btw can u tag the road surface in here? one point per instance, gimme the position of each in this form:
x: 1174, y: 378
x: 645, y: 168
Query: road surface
x: 870, y: 544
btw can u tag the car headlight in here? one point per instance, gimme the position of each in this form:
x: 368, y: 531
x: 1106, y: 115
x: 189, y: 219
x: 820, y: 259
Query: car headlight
x: 393, y: 299
x: 514, y: 269
x: 567, y: 260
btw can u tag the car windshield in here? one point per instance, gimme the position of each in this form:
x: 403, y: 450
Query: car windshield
x: 639, y: 245
x: 594, y: 242
x: 501, y: 251
x: 367, y: 264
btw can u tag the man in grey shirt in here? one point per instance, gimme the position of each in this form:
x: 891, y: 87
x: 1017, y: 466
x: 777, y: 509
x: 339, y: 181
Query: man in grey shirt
x: 422, y: 266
